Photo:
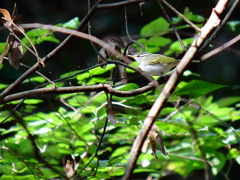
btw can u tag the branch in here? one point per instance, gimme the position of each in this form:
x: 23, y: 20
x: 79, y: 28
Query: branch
x: 219, y: 28
x: 221, y: 48
x: 169, y: 87
x: 42, y: 92
x: 181, y: 15
x: 119, y: 4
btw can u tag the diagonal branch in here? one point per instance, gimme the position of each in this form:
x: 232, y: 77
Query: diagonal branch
x: 169, y: 87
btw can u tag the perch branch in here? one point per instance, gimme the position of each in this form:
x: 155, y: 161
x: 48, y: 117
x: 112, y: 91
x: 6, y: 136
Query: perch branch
x: 168, y: 88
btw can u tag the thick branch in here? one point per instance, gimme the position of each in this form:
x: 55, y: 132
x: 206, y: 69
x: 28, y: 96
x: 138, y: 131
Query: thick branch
x: 168, y: 88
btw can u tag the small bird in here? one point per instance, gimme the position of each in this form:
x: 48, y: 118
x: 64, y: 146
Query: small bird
x: 155, y: 64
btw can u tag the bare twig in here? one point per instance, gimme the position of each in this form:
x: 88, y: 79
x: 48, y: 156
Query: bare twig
x: 96, y: 152
x: 35, y: 145
x: 219, y: 28
x: 173, y: 27
x: 188, y: 157
x: 119, y: 4
x: 181, y: 15
x: 23, y: 33
x: 219, y: 49
x: 40, y: 74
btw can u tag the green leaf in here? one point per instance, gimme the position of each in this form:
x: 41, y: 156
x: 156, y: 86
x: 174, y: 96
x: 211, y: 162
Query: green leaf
x: 2, y: 45
x: 3, y: 86
x: 197, y: 88
x: 158, y: 41
x: 38, y: 36
x: 127, y: 87
x: 97, y: 80
x: 72, y: 24
x: 39, y: 79
x: 233, y: 25
x: 117, y: 171
x: 120, y: 151
x: 47, y: 38
x: 177, y: 48
x: 218, y: 162
x: 33, y: 101
x: 37, y: 33
x: 99, y: 70
x: 11, y: 177
x: 193, y: 17
x: 156, y: 27
x: 71, y: 73
x: 228, y: 101
x: 102, y: 175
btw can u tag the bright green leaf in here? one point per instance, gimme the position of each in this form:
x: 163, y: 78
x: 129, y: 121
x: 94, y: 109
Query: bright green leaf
x: 158, y: 41
x: 72, y: 24
x: 156, y: 27
x: 177, y: 48
x: 32, y: 101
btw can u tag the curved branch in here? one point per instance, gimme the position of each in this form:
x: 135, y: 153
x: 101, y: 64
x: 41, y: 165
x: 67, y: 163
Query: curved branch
x: 50, y: 55
x: 42, y: 92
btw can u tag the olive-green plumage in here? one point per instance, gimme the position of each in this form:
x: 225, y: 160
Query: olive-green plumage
x: 155, y: 64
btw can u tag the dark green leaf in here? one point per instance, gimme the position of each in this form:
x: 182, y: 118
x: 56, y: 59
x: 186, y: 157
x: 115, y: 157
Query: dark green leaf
x: 197, y: 88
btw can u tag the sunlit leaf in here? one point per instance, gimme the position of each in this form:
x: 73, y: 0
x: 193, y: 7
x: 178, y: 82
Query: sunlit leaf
x: 177, y: 48
x: 156, y: 27
x: 158, y: 41
x: 99, y: 70
x: 32, y: 101
x: 72, y: 24
x: 193, y: 17
x: 47, y: 38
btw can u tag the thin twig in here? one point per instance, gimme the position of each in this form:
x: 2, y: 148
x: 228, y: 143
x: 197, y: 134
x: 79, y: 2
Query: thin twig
x: 96, y: 152
x: 35, y: 145
x: 219, y: 27
x: 221, y: 48
x: 29, y: 40
x: 173, y: 27
x: 119, y: 4
x: 181, y: 15
x: 40, y: 74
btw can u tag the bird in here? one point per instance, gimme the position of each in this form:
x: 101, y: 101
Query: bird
x: 155, y: 64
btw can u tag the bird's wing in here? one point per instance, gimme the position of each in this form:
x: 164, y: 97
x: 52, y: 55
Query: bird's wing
x: 163, y: 59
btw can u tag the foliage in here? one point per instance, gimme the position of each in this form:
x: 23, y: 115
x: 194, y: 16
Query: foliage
x: 44, y: 133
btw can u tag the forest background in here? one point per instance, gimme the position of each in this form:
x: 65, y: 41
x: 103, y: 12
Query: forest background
x: 88, y: 133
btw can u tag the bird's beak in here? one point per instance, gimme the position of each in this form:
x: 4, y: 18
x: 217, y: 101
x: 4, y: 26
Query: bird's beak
x: 131, y: 56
